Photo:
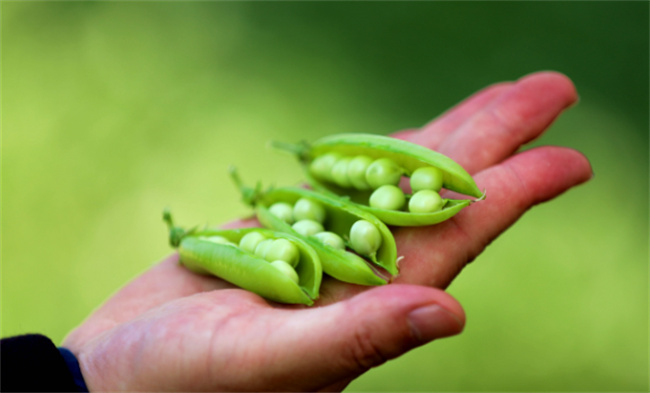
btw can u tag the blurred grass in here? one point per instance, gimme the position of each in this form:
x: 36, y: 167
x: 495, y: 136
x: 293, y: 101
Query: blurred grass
x: 112, y: 111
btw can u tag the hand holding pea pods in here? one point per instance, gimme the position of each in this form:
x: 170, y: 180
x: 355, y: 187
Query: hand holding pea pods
x: 194, y: 332
x: 368, y: 169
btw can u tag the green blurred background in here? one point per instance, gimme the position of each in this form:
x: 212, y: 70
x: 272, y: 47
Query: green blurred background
x: 113, y: 110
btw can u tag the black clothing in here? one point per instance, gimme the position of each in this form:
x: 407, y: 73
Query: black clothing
x: 32, y: 363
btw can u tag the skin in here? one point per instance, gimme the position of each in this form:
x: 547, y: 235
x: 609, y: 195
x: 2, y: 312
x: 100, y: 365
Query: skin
x: 170, y: 329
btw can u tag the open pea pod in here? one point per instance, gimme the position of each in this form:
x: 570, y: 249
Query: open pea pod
x: 408, y: 156
x: 227, y: 261
x: 343, y: 265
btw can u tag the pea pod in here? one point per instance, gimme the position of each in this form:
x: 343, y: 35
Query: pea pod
x: 406, y: 155
x: 202, y: 255
x: 341, y: 216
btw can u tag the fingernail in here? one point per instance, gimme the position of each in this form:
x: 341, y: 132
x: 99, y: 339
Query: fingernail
x: 432, y: 321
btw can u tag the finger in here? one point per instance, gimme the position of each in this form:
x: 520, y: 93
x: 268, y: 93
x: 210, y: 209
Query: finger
x: 165, y: 282
x: 242, y: 223
x: 436, y: 131
x: 517, y: 116
x: 435, y: 255
x: 345, y: 339
x: 405, y: 134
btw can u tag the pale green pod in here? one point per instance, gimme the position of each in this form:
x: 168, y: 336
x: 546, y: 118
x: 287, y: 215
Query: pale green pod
x: 406, y: 155
x: 219, y: 240
x: 341, y: 215
x: 244, y: 269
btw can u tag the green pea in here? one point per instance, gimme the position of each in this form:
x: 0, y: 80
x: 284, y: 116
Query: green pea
x: 263, y: 248
x: 357, y: 172
x: 306, y: 209
x: 308, y: 227
x: 286, y: 269
x: 250, y: 241
x: 321, y: 167
x: 365, y: 238
x: 383, y: 171
x: 283, y: 249
x: 388, y: 197
x: 331, y: 239
x: 340, y: 172
x: 425, y: 201
x: 283, y: 211
x: 426, y: 178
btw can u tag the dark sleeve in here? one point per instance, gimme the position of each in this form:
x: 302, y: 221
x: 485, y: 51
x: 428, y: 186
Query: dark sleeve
x: 32, y: 363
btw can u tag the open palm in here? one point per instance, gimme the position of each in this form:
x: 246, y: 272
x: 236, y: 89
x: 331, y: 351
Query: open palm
x: 170, y: 329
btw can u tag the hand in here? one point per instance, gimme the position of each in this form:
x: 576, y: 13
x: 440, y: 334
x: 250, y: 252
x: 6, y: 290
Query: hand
x: 170, y: 329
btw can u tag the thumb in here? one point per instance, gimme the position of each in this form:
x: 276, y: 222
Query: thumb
x: 347, y: 338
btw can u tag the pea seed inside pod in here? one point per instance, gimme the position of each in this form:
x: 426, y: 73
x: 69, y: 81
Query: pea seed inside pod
x: 331, y: 239
x: 365, y: 238
x: 306, y: 209
x: 286, y: 269
x: 426, y: 178
x: 263, y: 248
x: 340, y: 172
x: 321, y: 167
x: 357, y: 172
x: 283, y: 211
x: 283, y: 249
x: 387, y: 197
x: 383, y: 171
x: 425, y: 201
x: 308, y: 227
x: 250, y: 241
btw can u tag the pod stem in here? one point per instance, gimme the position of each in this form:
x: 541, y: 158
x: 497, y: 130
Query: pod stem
x: 482, y: 197
x: 249, y: 195
x: 176, y: 234
x: 301, y: 150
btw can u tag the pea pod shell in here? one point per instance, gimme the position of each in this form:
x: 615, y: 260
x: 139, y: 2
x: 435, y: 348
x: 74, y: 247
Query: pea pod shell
x: 249, y: 272
x: 340, y: 264
x: 409, y: 156
x: 402, y: 218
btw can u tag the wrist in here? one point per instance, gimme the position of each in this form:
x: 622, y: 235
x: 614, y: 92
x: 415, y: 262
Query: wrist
x: 75, y: 370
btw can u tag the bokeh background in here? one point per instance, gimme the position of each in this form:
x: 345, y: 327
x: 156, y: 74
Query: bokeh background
x: 113, y: 110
